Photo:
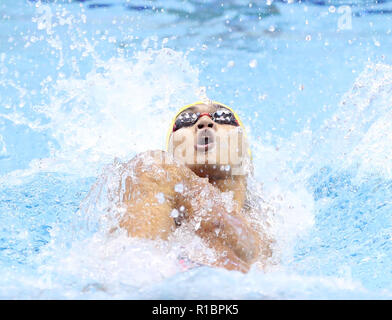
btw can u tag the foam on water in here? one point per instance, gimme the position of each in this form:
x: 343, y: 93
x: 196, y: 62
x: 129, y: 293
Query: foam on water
x: 121, y: 110
x: 111, y: 110
x: 327, y: 191
x: 362, y: 124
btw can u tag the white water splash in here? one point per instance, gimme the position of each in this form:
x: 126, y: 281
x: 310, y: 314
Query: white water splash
x: 359, y: 134
x: 122, y: 107
x: 3, y: 148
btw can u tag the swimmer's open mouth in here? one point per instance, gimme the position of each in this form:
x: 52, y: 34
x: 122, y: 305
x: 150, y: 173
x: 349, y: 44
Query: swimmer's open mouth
x: 205, y: 141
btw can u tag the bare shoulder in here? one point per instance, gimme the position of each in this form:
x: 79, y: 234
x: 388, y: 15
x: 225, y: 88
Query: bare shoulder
x: 153, y: 157
x: 156, y: 160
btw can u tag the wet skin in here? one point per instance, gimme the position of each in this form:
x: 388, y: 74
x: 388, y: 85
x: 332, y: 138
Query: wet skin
x: 235, y: 242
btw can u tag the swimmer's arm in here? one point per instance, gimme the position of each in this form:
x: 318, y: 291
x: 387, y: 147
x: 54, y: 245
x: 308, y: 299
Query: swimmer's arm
x: 147, y: 208
x: 148, y: 217
x: 234, y: 231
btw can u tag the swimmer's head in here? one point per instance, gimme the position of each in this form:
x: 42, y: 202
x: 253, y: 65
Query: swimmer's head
x: 209, y: 138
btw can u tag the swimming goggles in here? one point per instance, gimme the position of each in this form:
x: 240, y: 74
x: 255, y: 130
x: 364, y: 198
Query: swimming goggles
x: 173, y: 127
x: 220, y: 116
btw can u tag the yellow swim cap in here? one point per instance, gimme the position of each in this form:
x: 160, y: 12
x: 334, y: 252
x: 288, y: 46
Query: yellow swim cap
x: 201, y: 102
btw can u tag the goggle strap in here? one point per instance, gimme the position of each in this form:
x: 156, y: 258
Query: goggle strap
x: 204, y: 114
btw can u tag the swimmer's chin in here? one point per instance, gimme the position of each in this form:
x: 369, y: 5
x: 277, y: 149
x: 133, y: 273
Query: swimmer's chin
x: 203, y: 148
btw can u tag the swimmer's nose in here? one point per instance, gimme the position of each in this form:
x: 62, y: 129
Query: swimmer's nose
x: 204, y: 123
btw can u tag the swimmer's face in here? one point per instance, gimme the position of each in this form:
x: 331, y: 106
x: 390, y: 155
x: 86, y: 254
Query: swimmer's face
x: 209, y: 140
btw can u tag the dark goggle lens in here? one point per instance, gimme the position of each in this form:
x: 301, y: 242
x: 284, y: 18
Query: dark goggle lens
x: 222, y: 116
x: 186, y: 119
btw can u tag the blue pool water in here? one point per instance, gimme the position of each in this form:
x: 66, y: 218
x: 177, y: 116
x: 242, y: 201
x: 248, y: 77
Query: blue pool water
x: 84, y: 82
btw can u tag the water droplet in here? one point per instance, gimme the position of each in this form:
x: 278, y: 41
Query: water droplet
x: 253, y: 63
x: 231, y: 64
x: 179, y: 188
x: 271, y: 28
x: 161, y: 197
x: 174, y: 213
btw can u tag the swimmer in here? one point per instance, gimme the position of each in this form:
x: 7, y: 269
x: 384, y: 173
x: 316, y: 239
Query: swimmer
x: 207, y: 160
